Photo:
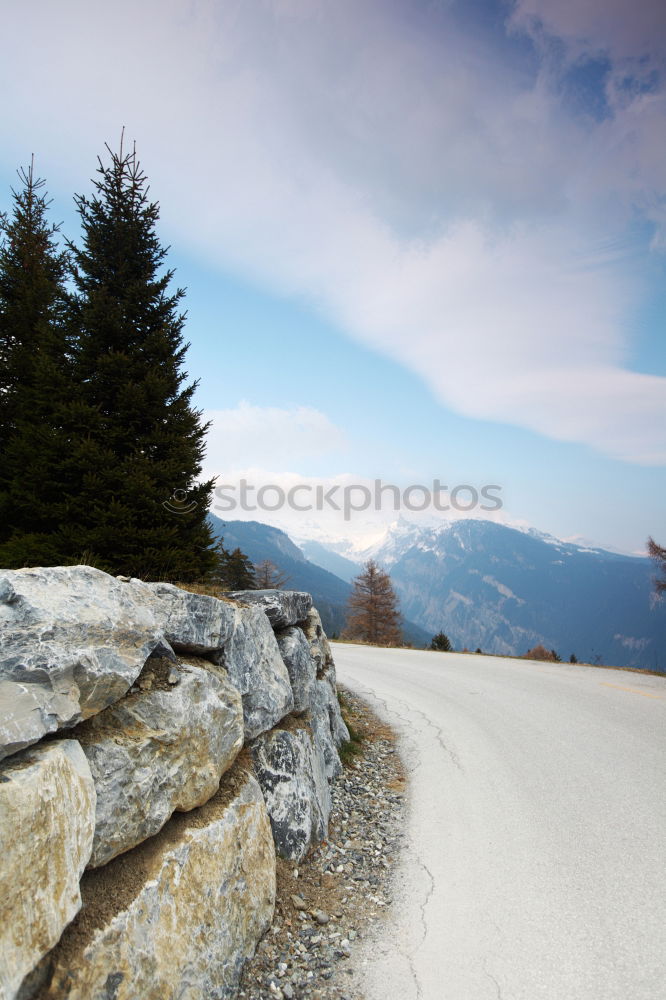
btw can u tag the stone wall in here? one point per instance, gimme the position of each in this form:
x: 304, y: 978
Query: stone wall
x: 157, y: 748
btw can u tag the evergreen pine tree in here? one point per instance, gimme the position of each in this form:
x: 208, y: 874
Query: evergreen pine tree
x: 217, y: 574
x: 658, y: 553
x: 238, y: 572
x: 373, y: 614
x: 134, y: 506
x: 36, y: 399
x: 442, y: 643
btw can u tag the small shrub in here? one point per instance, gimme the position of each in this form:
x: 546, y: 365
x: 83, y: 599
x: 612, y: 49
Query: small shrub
x: 354, y: 745
x: 441, y: 643
x: 540, y: 652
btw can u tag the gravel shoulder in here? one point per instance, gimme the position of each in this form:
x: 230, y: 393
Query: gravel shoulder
x: 338, y: 898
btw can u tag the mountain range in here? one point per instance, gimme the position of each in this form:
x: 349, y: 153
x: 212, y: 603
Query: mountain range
x: 330, y: 593
x: 504, y: 590
x: 487, y: 586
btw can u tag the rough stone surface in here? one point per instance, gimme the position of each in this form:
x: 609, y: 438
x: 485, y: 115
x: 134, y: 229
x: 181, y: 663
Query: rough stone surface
x: 350, y: 879
x: 176, y: 918
x: 192, y: 623
x: 327, y: 725
x: 283, y: 607
x: 290, y: 769
x: 339, y: 730
x: 72, y: 641
x: 319, y: 644
x: 161, y: 749
x: 47, y: 821
x: 254, y: 665
x: 302, y: 669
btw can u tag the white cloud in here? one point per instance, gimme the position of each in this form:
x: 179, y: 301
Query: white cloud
x: 612, y: 26
x: 267, y: 436
x: 345, y: 508
x: 439, y: 203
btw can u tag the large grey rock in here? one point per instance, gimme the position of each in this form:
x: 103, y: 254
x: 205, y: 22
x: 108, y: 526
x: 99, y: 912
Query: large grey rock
x: 302, y: 669
x: 326, y: 719
x: 283, y: 607
x: 252, y: 660
x: 192, y: 623
x: 72, y: 641
x: 291, y: 772
x: 158, y: 751
x: 328, y: 726
x: 176, y: 918
x: 47, y: 821
x: 339, y: 731
x: 319, y: 644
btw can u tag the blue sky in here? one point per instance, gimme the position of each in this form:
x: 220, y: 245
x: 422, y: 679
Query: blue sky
x: 420, y: 239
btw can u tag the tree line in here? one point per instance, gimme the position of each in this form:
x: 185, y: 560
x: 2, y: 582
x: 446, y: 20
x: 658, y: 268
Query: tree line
x: 235, y: 571
x: 97, y: 425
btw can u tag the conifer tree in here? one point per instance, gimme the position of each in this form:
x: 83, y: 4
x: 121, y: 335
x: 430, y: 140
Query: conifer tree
x: 134, y: 504
x: 373, y: 614
x: 442, y: 643
x: 238, y: 571
x: 658, y: 553
x: 36, y: 398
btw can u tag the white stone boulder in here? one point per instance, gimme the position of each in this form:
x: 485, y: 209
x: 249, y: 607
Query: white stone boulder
x: 47, y: 822
x: 162, y: 748
x: 252, y: 660
x: 301, y: 667
x: 319, y: 644
x: 326, y: 719
x: 283, y: 607
x: 192, y: 623
x: 328, y: 726
x: 291, y: 772
x: 176, y: 918
x: 72, y: 641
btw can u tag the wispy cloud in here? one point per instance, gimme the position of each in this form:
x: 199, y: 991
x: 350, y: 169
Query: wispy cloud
x: 268, y: 436
x: 438, y: 200
x: 606, y: 26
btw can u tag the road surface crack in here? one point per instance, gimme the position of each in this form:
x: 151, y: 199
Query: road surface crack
x: 408, y: 723
x: 492, y: 979
x: 439, y: 735
x: 424, y: 923
x: 428, y: 895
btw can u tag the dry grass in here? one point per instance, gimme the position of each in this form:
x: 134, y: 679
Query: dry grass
x: 209, y: 589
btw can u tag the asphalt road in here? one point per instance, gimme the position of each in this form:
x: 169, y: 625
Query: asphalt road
x: 536, y: 858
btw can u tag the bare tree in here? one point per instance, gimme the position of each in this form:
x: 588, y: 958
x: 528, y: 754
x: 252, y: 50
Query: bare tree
x: 268, y: 576
x: 373, y: 614
x: 658, y: 553
x: 540, y: 652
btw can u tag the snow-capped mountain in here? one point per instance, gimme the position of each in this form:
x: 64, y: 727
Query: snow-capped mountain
x: 329, y: 589
x: 504, y: 589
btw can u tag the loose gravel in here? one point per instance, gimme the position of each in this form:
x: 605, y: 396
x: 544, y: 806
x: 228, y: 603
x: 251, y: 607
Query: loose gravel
x: 332, y: 902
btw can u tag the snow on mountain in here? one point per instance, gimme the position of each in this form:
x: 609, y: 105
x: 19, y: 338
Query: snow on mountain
x: 506, y: 588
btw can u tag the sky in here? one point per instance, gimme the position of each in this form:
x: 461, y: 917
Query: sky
x: 421, y: 240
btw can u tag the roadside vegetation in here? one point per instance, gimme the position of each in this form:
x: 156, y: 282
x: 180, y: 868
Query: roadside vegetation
x: 353, y: 747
